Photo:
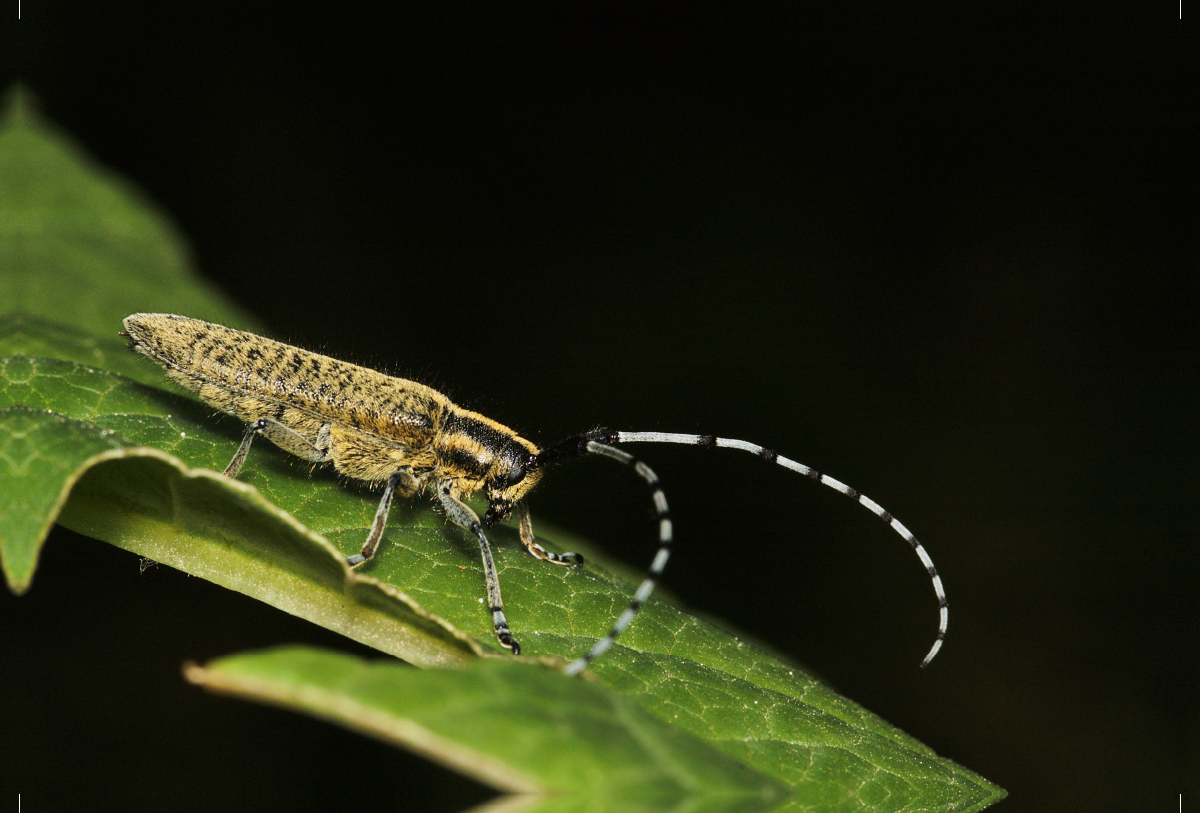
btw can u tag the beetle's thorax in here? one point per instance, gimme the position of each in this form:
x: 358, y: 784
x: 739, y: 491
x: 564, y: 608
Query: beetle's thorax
x: 479, y: 453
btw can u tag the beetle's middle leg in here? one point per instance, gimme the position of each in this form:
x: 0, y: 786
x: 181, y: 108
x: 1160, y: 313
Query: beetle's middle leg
x: 402, y: 482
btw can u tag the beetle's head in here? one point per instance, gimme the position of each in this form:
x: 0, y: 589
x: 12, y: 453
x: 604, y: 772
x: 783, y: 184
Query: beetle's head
x: 513, y: 473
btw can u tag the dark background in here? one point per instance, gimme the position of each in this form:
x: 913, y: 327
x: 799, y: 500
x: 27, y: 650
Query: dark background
x: 946, y: 254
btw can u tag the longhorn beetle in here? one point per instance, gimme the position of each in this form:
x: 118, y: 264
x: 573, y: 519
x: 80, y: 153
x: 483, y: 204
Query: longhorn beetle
x: 410, y: 438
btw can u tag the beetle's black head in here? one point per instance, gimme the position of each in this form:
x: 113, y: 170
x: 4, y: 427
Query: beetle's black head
x: 513, y: 473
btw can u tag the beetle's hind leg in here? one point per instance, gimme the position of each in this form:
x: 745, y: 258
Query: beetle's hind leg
x: 285, y: 438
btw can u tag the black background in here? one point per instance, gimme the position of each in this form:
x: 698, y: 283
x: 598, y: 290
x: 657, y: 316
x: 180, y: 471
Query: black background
x: 946, y: 254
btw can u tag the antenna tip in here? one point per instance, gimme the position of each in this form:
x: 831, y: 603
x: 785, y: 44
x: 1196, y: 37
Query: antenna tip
x: 937, y: 645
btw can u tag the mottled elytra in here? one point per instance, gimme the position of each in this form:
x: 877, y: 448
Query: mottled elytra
x: 410, y: 438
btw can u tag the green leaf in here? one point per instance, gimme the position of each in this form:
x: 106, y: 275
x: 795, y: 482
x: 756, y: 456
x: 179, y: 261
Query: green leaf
x: 41, y: 457
x: 577, y: 738
x: 95, y: 438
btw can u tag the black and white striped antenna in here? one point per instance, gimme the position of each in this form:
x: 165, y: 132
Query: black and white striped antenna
x: 603, y: 442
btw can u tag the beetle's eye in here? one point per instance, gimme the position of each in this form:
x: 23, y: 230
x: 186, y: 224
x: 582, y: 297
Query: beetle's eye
x: 515, y: 475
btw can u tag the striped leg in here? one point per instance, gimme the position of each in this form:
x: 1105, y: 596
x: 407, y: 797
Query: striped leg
x: 871, y: 505
x: 528, y: 540
x: 461, y: 515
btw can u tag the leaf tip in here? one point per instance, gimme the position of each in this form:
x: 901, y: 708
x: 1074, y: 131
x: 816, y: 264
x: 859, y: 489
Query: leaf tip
x: 19, y: 106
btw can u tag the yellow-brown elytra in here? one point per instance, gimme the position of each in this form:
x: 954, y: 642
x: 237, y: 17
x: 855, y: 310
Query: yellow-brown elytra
x: 408, y: 437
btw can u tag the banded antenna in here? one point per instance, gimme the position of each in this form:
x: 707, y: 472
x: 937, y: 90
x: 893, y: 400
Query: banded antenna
x: 602, y: 442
